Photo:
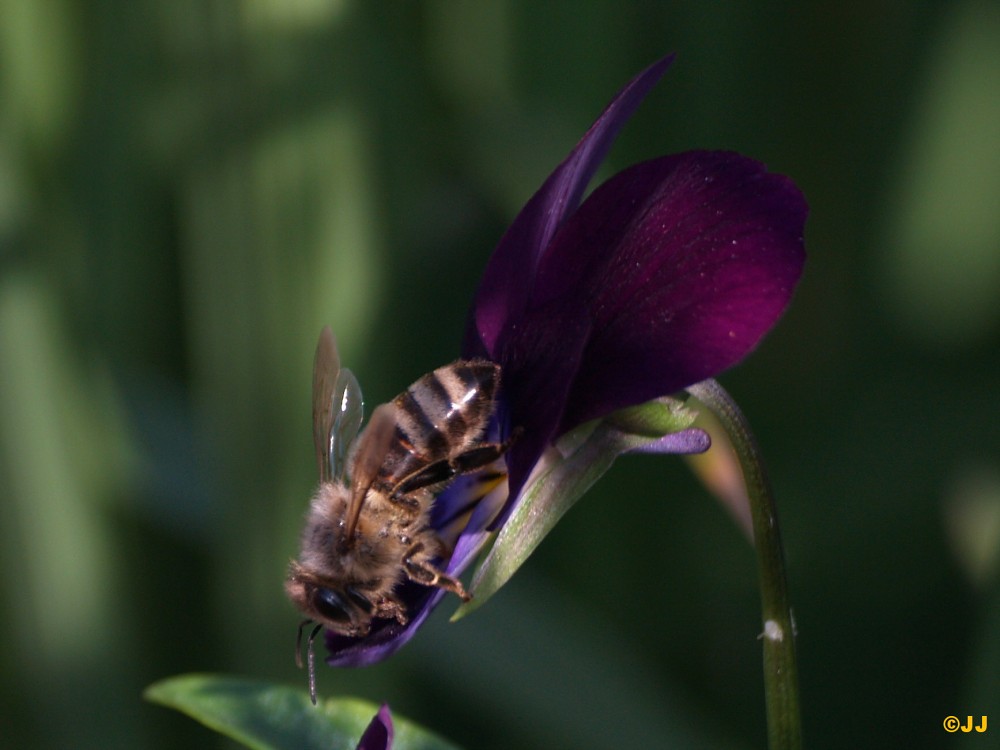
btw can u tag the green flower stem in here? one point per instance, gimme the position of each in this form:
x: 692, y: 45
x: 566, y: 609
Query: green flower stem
x: 781, y: 688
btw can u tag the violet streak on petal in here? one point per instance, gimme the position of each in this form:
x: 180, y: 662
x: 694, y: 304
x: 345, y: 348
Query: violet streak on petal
x: 684, y: 443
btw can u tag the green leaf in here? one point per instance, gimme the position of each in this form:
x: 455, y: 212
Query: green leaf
x: 275, y: 717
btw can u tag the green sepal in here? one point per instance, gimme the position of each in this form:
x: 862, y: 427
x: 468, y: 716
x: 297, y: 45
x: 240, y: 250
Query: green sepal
x: 579, y: 459
x: 656, y: 418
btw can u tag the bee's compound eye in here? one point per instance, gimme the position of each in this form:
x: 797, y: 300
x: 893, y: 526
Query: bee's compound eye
x: 360, y: 599
x: 330, y: 604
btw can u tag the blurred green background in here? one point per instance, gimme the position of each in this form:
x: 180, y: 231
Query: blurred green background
x: 190, y: 190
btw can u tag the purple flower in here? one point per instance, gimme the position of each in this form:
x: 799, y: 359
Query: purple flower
x: 378, y: 735
x: 667, y: 274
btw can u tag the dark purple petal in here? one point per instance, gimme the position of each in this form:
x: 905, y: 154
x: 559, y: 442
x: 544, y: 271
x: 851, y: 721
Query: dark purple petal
x: 685, y: 262
x: 672, y: 271
x: 503, y: 291
x: 378, y: 735
x: 539, y: 355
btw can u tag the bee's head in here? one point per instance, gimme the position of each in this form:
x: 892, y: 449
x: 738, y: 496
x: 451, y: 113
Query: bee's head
x: 343, y: 609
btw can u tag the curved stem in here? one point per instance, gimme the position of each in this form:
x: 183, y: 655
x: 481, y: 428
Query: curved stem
x: 781, y: 688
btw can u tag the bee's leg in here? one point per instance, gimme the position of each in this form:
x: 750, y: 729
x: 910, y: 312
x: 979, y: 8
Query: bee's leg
x: 406, y: 501
x: 425, y: 572
x: 441, y: 471
x: 412, y: 505
x: 482, y: 455
x: 390, y: 608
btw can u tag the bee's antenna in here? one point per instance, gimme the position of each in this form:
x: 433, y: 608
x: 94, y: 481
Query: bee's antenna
x: 311, y: 659
x: 310, y: 656
x: 298, y: 643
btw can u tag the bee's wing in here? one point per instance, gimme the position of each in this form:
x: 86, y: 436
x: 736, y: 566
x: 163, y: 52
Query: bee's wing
x: 337, y: 408
x: 368, y: 459
x: 326, y: 367
x: 348, y: 411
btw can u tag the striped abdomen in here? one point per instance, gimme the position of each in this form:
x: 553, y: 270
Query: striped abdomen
x: 441, y: 416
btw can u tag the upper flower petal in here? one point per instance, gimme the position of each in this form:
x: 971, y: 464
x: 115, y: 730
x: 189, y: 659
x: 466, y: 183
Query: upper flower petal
x: 683, y: 263
x: 503, y: 290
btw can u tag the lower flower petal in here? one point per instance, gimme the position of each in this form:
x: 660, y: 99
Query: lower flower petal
x: 388, y: 636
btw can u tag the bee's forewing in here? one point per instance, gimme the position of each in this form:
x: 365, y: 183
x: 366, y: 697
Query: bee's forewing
x: 326, y: 368
x: 338, y: 408
x: 348, y: 412
x: 368, y: 458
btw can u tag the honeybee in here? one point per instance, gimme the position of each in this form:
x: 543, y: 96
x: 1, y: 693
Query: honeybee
x: 367, y: 529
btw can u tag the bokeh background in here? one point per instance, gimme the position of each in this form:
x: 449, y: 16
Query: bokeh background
x: 190, y: 190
